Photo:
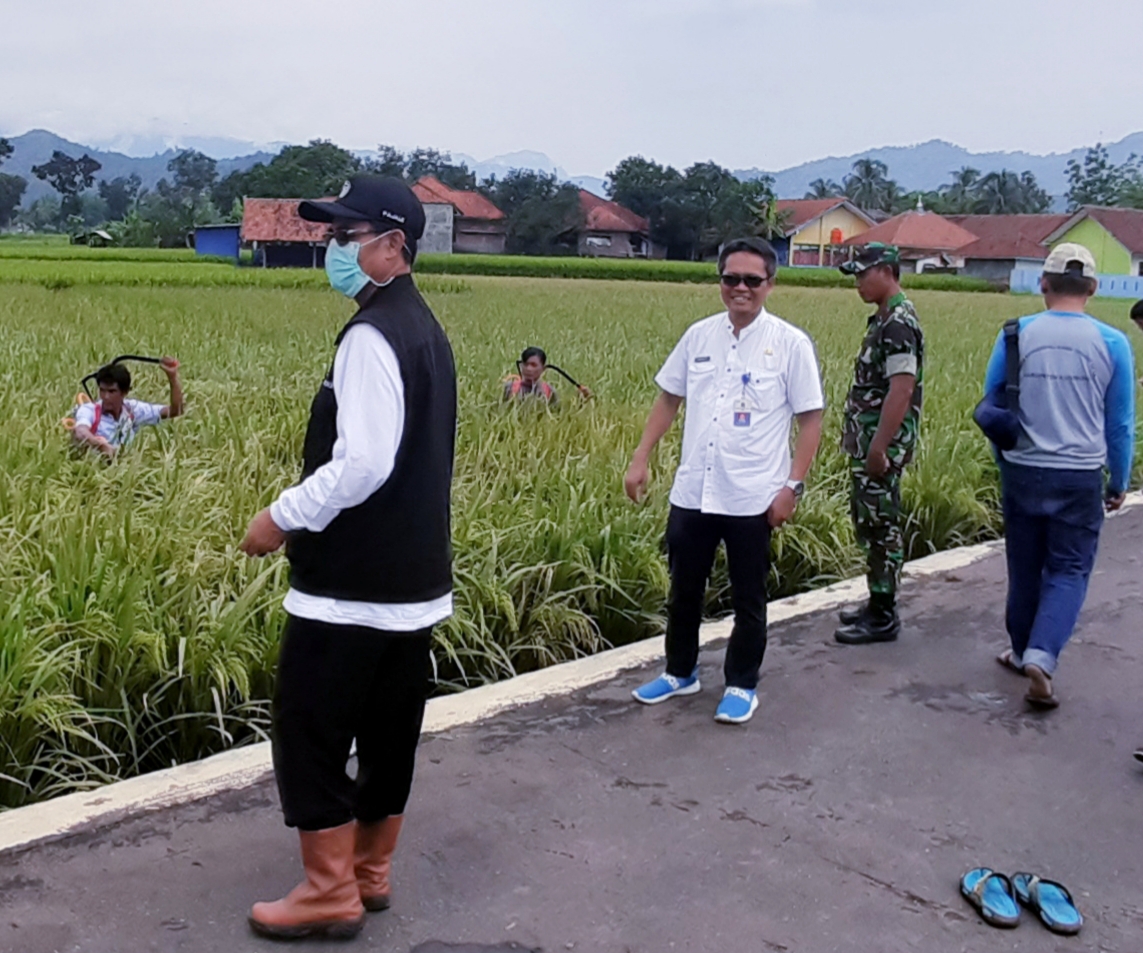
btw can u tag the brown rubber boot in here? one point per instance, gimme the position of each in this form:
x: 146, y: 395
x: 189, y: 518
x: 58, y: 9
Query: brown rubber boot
x: 374, y: 859
x: 326, y: 903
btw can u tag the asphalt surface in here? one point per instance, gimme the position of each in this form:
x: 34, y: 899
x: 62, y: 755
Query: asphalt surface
x: 839, y: 819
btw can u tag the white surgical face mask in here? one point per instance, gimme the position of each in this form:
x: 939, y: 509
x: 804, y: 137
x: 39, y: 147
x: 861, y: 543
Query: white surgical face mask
x: 342, y: 268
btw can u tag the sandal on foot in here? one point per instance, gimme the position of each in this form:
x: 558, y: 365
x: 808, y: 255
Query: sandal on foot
x: 992, y: 895
x: 1005, y: 659
x: 1034, y: 698
x: 1051, y: 901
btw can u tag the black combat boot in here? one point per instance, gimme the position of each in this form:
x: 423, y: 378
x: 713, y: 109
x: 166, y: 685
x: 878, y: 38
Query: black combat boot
x: 852, y: 614
x: 879, y: 623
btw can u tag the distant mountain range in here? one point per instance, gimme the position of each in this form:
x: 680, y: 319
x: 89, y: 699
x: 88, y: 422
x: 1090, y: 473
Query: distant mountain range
x: 36, y: 147
x: 924, y: 166
x: 929, y: 165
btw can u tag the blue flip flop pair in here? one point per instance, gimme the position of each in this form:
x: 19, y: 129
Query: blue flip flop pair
x: 995, y: 896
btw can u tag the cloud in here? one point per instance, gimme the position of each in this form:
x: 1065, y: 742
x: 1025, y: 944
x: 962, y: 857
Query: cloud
x: 765, y: 83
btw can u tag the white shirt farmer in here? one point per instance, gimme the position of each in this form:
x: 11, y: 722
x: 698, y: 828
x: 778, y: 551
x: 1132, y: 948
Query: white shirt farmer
x: 741, y: 395
x: 135, y: 415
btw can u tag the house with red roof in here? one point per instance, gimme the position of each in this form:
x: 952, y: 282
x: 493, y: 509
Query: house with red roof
x: 280, y: 237
x: 1004, y: 242
x: 1113, y: 235
x: 476, y: 224
x: 926, y: 240
x: 815, y: 230
x: 611, y: 231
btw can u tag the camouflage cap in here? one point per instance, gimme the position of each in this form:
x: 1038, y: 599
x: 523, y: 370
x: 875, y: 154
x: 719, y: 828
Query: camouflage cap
x: 875, y: 253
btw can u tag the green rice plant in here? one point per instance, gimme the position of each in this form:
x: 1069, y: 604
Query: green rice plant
x: 134, y: 635
x: 56, y: 274
x: 639, y: 269
x: 65, y: 266
x: 61, y: 251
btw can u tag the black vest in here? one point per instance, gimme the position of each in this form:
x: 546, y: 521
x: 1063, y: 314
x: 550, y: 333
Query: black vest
x: 396, y: 546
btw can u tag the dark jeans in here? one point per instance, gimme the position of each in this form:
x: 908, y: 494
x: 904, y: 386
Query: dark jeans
x: 692, y: 541
x: 1052, y: 521
x: 337, y: 683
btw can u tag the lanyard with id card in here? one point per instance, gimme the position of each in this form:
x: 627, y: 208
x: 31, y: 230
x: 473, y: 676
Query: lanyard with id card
x: 742, y: 408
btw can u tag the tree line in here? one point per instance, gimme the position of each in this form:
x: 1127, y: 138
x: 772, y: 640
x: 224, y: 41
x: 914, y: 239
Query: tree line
x: 690, y: 212
x: 969, y: 192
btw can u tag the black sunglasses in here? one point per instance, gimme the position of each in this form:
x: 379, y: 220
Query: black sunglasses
x: 753, y: 282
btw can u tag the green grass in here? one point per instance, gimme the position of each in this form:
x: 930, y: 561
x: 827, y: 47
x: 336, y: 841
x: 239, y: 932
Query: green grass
x: 133, y: 634
x: 635, y: 269
x: 59, y: 265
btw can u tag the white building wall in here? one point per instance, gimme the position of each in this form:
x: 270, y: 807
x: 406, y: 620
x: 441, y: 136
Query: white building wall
x: 437, y: 239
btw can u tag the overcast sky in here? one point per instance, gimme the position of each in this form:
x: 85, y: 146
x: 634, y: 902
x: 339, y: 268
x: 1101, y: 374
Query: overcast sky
x: 766, y: 83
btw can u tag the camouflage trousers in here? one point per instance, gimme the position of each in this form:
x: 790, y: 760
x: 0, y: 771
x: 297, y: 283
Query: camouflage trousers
x: 875, y: 506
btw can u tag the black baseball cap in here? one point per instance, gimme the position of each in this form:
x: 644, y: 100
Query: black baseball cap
x: 381, y: 200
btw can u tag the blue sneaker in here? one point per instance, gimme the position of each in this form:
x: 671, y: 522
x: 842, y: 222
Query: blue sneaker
x: 667, y: 686
x: 736, y: 707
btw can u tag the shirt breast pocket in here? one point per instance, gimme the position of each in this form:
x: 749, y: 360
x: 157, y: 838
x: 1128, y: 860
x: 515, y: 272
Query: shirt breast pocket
x: 767, y: 389
x: 700, y: 374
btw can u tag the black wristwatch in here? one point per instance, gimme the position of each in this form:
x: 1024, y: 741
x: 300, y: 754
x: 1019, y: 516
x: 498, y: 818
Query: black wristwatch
x: 798, y: 486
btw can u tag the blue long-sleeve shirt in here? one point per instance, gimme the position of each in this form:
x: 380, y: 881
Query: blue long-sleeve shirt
x: 1077, y: 395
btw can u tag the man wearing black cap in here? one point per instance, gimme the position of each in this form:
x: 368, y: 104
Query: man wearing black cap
x: 368, y: 539
x: 881, y: 423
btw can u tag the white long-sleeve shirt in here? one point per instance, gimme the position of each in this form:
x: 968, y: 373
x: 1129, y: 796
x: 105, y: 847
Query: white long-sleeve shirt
x: 370, y: 424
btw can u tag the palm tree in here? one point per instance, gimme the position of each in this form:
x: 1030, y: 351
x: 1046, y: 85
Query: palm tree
x: 868, y: 184
x: 824, y: 189
x: 960, y: 194
x: 768, y: 221
x: 999, y: 193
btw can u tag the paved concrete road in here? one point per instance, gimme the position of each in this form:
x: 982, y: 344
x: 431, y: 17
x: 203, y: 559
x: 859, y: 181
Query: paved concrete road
x: 838, y: 820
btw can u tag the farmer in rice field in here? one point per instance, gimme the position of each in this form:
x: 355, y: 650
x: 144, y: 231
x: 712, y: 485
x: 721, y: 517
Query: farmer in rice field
x: 1077, y: 417
x: 368, y: 539
x: 530, y: 383
x: 744, y: 374
x: 110, y: 423
x: 879, y: 434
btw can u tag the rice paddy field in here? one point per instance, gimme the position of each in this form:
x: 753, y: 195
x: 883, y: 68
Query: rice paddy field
x: 134, y: 635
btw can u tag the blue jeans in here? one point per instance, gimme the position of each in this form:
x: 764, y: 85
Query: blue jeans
x: 1052, y: 521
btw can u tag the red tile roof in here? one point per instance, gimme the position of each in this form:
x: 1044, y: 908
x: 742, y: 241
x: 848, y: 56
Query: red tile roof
x: 917, y: 231
x: 432, y: 191
x: 803, y: 211
x: 277, y: 220
x: 602, y: 215
x: 1007, y: 236
x: 1125, y: 224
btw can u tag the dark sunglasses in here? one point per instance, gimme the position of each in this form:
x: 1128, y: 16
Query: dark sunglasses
x: 753, y: 282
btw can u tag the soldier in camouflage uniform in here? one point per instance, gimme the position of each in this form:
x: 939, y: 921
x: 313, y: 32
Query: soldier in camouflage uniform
x: 882, y: 419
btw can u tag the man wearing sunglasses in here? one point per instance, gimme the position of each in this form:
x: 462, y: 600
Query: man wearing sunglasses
x: 367, y: 536
x: 744, y: 374
x: 882, y: 419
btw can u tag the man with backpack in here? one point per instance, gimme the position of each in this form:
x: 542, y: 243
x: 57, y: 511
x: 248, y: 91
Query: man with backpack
x: 1077, y: 416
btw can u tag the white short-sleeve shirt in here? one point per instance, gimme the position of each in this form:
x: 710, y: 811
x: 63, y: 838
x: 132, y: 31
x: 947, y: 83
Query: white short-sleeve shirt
x: 136, y: 414
x: 741, y: 395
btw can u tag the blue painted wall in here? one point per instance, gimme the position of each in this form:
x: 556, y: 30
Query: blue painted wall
x: 220, y: 240
x: 1027, y: 281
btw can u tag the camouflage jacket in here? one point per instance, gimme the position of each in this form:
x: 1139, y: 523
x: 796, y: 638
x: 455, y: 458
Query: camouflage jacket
x: 894, y: 344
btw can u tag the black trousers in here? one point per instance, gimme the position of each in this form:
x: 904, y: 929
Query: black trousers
x: 337, y: 683
x: 692, y: 541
